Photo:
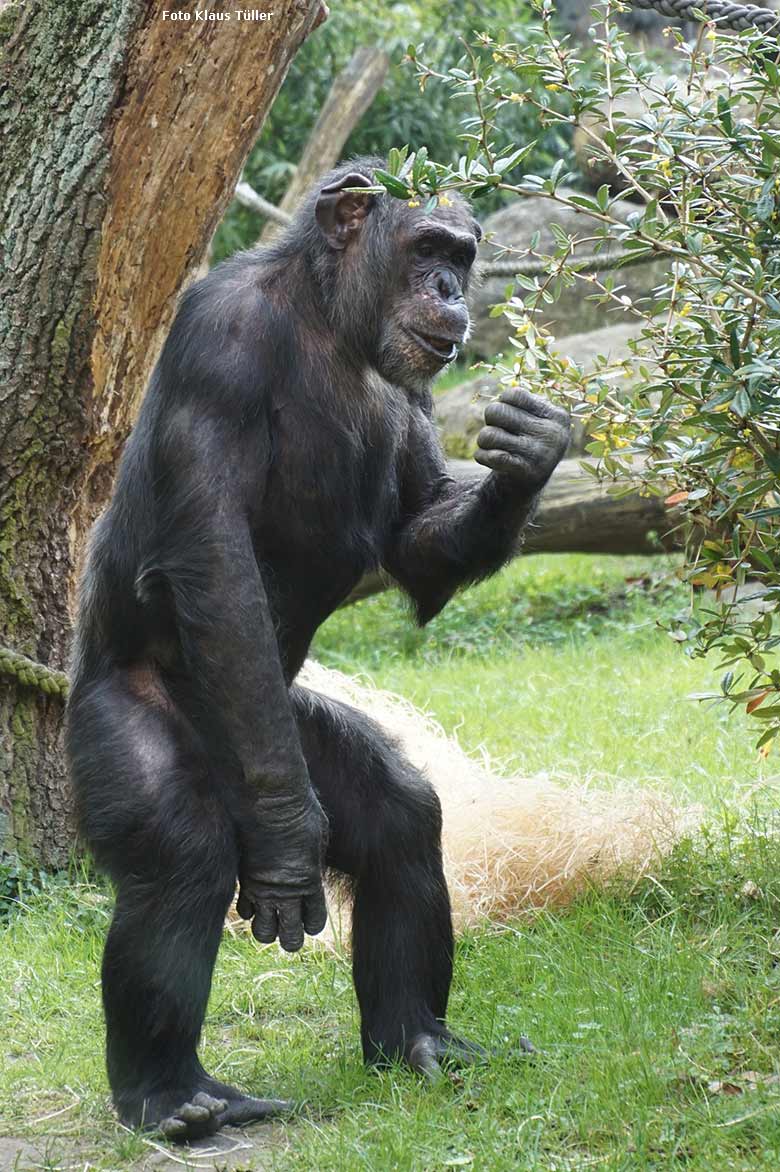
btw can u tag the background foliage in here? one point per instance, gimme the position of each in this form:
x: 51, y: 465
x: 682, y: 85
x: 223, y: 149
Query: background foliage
x: 697, y: 150
x: 401, y: 112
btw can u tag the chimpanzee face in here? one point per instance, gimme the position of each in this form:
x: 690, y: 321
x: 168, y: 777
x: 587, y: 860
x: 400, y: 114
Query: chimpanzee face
x: 427, y: 318
x: 406, y: 271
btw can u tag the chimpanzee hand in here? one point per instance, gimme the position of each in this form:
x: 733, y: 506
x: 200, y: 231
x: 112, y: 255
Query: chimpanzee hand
x: 524, y: 439
x: 280, y: 871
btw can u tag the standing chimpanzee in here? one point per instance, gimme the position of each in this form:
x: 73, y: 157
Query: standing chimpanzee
x: 284, y: 448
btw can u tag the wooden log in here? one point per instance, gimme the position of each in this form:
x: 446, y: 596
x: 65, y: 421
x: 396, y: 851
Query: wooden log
x: 350, y: 96
x: 576, y: 515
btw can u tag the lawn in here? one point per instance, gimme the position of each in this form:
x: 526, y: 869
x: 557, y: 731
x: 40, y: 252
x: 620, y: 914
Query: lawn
x: 559, y: 664
x: 655, y: 1010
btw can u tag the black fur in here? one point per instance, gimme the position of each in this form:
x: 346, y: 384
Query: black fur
x: 284, y: 448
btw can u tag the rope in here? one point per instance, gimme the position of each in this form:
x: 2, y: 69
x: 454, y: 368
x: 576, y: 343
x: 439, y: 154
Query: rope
x: 32, y: 674
x: 736, y: 16
x: 591, y: 262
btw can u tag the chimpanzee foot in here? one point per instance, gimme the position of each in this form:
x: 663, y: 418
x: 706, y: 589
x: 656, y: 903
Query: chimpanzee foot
x: 202, y: 1114
x: 245, y: 1108
x: 429, y: 1054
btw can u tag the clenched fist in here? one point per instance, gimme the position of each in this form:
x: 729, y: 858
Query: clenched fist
x: 280, y: 870
x: 524, y: 437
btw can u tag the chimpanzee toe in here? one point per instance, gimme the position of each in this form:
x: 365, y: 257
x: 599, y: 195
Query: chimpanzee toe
x: 194, y: 1119
x: 430, y: 1054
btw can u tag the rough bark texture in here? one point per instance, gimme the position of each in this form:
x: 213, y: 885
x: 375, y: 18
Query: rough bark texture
x: 123, y: 136
x: 350, y: 96
x: 576, y: 515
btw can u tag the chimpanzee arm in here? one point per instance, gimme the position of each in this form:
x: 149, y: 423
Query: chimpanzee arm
x: 203, y: 553
x: 453, y: 532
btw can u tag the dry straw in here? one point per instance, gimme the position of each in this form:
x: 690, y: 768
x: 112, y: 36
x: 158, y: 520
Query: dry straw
x: 514, y: 843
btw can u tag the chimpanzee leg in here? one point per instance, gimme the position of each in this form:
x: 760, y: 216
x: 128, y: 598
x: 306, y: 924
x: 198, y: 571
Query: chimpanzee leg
x: 156, y: 822
x: 385, y: 832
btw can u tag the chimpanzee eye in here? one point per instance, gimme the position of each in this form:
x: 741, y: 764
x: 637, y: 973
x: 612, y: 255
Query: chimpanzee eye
x: 425, y: 248
x: 466, y: 255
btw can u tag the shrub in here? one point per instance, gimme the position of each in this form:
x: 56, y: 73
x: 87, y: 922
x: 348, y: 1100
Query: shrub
x: 701, y: 424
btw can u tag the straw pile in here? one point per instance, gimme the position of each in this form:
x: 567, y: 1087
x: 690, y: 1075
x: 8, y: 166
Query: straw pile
x: 512, y: 843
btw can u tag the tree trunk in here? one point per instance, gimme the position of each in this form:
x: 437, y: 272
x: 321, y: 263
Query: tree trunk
x: 123, y: 136
x: 350, y: 96
x: 576, y: 515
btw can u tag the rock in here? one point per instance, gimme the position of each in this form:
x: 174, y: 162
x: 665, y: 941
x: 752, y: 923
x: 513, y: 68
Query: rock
x: 459, y: 412
x: 749, y: 600
x: 252, y: 1150
x: 594, y: 167
x: 610, y: 342
x: 572, y: 313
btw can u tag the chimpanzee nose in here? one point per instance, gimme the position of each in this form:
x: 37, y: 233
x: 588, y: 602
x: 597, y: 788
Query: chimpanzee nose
x: 447, y: 285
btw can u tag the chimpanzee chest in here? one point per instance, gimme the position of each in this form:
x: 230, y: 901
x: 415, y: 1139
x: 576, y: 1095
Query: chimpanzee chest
x: 330, y: 505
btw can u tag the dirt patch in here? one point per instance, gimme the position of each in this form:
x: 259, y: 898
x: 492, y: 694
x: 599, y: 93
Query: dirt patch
x: 232, y: 1151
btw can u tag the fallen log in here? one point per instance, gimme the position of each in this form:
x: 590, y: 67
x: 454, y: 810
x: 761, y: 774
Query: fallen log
x: 575, y: 515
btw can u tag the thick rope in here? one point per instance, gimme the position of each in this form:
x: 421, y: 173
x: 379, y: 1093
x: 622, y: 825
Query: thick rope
x: 736, y: 16
x: 32, y: 674
x: 590, y: 262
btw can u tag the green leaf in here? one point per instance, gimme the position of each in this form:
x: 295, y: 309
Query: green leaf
x: 396, y: 159
x: 741, y: 404
x: 420, y: 159
x: 771, y: 143
x: 765, y: 205
x: 509, y: 162
x: 561, y: 237
x: 759, y: 555
x: 734, y: 347
x: 766, y: 737
x: 724, y: 114
x: 583, y: 201
x: 760, y: 515
x: 395, y: 186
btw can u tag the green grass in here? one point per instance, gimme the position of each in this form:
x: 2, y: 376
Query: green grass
x: 656, y: 1011
x: 559, y: 664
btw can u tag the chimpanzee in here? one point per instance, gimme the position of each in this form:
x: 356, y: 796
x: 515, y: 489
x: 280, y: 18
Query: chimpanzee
x: 284, y: 448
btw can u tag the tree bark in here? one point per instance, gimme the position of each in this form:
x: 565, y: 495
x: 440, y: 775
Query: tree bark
x: 576, y: 515
x: 123, y: 137
x: 350, y: 96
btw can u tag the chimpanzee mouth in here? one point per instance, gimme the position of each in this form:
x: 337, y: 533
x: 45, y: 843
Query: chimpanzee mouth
x: 445, y: 349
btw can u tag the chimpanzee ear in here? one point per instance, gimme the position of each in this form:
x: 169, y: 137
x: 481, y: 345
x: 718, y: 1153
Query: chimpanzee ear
x: 340, y: 213
x: 478, y: 233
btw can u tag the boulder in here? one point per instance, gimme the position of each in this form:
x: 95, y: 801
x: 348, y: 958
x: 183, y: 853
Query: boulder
x: 459, y: 412
x: 515, y: 225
